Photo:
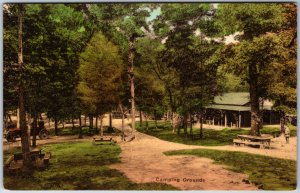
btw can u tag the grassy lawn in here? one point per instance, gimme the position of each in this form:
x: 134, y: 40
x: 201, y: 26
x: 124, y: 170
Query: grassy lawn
x: 69, y: 131
x: 210, y: 137
x: 266, y: 172
x: 78, y: 166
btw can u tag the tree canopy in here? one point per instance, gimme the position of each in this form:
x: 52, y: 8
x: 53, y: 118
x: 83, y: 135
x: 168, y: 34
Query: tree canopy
x: 90, y: 58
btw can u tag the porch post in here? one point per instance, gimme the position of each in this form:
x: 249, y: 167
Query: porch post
x: 240, y: 119
x: 225, y: 122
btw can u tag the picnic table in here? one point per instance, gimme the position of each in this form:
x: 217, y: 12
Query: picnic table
x: 15, y: 162
x: 101, y: 140
x: 35, y: 153
x: 262, y: 141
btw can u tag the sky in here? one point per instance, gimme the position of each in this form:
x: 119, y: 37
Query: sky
x: 154, y: 14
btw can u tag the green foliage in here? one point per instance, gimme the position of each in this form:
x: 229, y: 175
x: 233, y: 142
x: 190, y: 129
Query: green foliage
x: 276, y: 132
x: 100, y: 72
x: 265, y: 172
x: 149, y: 89
x: 253, y: 19
x: 175, y: 15
x: 187, y: 65
x: 233, y: 83
x: 79, y: 166
x: 54, y: 35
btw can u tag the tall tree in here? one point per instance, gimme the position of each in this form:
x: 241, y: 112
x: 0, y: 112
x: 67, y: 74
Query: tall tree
x: 283, y: 85
x: 23, y: 126
x: 188, y: 55
x: 254, y: 20
x: 100, y: 70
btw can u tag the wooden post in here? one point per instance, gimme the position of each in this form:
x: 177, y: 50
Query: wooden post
x: 240, y: 120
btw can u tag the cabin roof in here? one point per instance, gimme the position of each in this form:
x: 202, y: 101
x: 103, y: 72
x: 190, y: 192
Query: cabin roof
x: 229, y: 107
x: 233, y: 98
x: 236, y: 101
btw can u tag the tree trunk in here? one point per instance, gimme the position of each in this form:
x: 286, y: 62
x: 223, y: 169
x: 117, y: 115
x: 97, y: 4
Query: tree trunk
x: 173, y: 121
x: 101, y: 125
x: 22, y: 121
x: 55, y: 125
x: 80, y: 128
x: 201, y: 127
x: 147, y: 124
x: 123, y: 117
x: 63, y: 124
x: 97, y: 124
x: 73, y: 125
x: 254, y: 101
x: 90, y: 122
x: 191, y: 125
x: 185, y: 125
x: 141, y: 119
x: 155, y: 120
x: 110, y: 120
x: 85, y: 120
x: 131, y: 79
x: 34, y: 127
x: 179, y: 126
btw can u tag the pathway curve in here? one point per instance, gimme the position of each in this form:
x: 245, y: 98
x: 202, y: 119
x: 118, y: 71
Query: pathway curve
x: 142, y: 161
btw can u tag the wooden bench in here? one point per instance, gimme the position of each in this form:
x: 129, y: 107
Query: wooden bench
x: 262, y: 141
x: 102, y: 140
x: 129, y: 138
x: 266, y: 145
x: 252, y: 143
x: 47, y: 156
x: 16, y: 167
x: 238, y: 142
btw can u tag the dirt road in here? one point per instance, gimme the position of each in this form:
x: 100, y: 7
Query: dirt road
x: 142, y: 160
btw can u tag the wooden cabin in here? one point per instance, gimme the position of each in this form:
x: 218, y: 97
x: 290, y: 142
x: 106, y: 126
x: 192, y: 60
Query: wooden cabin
x: 233, y: 110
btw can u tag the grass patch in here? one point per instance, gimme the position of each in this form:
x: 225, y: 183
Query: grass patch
x: 276, y: 131
x: 78, y: 166
x: 266, y: 172
x: 67, y: 131
x: 211, y: 137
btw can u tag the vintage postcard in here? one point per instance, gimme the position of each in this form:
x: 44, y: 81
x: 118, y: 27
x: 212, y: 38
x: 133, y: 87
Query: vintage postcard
x: 149, y: 96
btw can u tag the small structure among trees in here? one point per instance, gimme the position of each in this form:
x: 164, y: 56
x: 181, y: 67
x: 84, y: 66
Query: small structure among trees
x: 233, y: 110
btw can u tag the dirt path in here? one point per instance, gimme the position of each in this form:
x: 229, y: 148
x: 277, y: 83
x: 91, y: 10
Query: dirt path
x: 142, y: 161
